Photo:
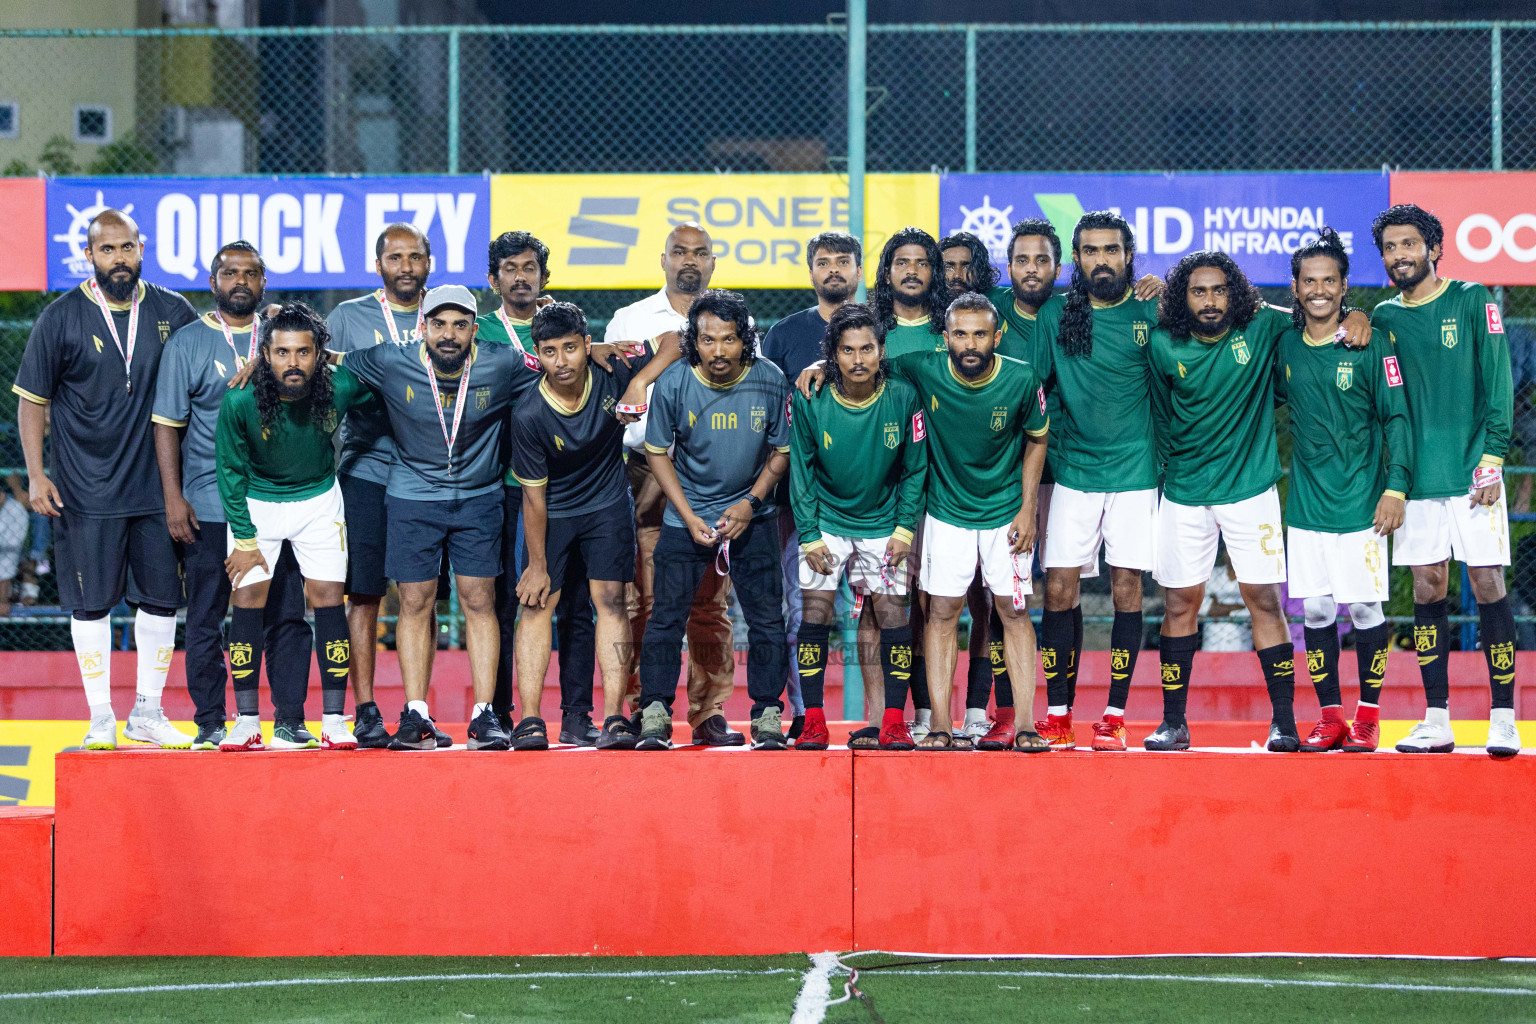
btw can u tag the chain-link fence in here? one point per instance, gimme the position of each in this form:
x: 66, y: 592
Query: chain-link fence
x: 647, y: 99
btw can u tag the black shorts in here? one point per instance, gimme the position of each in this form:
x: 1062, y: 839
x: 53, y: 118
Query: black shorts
x: 367, y: 540
x: 101, y: 561
x: 603, y: 541
x: 466, y: 530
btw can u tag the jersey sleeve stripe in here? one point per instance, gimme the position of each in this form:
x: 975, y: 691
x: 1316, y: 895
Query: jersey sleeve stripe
x: 540, y: 482
x: 1041, y: 432
x: 655, y: 449
x: 167, y: 421
x: 29, y: 396
x: 902, y: 534
x: 782, y: 449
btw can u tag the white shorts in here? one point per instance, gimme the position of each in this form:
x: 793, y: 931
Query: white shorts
x: 316, y: 527
x: 1124, y: 524
x: 1349, y: 567
x: 950, y: 555
x: 861, y: 558
x: 1186, y: 540
x: 1435, y: 529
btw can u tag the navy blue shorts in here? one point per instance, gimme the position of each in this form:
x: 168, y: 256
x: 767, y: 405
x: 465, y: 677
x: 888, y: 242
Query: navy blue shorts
x: 367, y: 540
x: 467, y: 530
x: 603, y: 542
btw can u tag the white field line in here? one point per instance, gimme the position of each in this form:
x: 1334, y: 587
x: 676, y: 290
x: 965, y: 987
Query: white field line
x: 1380, y: 986
x: 67, y: 993
x: 816, y: 993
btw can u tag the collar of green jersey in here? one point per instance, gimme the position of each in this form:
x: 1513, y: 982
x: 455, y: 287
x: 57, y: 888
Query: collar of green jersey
x: 980, y: 382
x: 1122, y: 300
x: 848, y: 403
x: 1445, y: 283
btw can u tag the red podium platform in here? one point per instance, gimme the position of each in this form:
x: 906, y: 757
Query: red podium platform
x: 26, y: 881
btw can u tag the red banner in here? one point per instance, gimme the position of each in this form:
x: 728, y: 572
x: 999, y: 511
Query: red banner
x: 1489, y: 218
x: 23, y: 235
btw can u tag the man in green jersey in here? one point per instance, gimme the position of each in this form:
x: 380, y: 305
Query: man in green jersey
x: 858, y: 466
x: 1104, y: 462
x: 277, y: 482
x: 1212, y: 360
x: 1449, y: 339
x: 1345, y: 499
x: 518, y: 272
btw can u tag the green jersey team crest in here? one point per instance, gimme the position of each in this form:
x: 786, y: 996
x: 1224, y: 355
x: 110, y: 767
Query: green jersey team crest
x: 1448, y: 333
x: 999, y: 417
x: 1240, y: 351
x: 1140, y: 330
x: 1345, y: 376
x: 892, y: 435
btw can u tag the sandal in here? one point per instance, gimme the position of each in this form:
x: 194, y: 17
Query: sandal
x: 1030, y: 742
x: 867, y: 738
x: 962, y: 742
x: 530, y: 734
x: 947, y: 744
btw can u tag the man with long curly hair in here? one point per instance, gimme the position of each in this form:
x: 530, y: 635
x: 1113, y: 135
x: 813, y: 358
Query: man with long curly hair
x: 277, y: 482
x: 910, y: 295
x: 1450, y: 338
x: 1212, y: 359
x: 967, y: 264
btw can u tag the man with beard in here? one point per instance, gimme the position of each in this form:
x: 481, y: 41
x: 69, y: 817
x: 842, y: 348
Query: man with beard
x: 722, y: 417
x: 1350, y: 454
x: 447, y: 399
x: 277, y: 483
x: 835, y: 260
x: 92, y: 357
x: 199, y: 360
x: 688, y: 264
x: 1212, y: 360
x: 518, y: 272
x: 910, y: 294
x: 1449, y: 337
x: 391, y: 314
x: 1104, y: 467
x: 967, y: 264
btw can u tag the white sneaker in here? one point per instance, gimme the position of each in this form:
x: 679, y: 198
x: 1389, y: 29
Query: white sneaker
x: 923, y: 725
x: 102, y: 734
x: 335, y: 735
x: 154, y: 727
x: 246, y: 735
x: 1503, y: 735
x: 976, y: 725
x: 1428, y: 738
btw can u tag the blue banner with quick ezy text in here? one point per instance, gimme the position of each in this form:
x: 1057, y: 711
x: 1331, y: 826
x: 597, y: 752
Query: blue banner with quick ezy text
x: 1259, y: 219
x: 312, y: 232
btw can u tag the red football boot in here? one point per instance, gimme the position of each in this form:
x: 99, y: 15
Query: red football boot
x: 1057, y: 730
x: 813, y: 734
x: 894, y: 734
x: 1000, y: 736
x: 1109, y: 733
x: 1365, y: 733
x: 1329, y: 733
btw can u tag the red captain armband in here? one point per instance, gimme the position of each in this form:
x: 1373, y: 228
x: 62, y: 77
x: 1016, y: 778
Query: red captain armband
x: 789, y: 418
x: 1394, y: 374
x: 632, y: 410
x: 919, y: 431
x: 532, y: 362
x: 1495, y: 320
x: 1040, y: 394
x: 1487, y: 476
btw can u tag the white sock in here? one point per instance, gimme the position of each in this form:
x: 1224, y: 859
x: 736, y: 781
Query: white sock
x: 924, y: 717
x: 93, y: 650
x: 479, y: 707
x: 420, y: 707
x: 155, y: 637
x: 1059, y: 710
x: 1117, y: 712
x: 975, y: 716
x: 1501, y: 715
x: 1438, y: 716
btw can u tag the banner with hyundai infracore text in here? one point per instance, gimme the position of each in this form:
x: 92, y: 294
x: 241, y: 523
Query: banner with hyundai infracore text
x: 609, y: 230
x: 1259, y: 219
x: 312, y: 232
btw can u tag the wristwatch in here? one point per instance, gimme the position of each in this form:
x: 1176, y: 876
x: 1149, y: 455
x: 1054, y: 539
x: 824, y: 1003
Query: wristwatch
x: 755, y: 502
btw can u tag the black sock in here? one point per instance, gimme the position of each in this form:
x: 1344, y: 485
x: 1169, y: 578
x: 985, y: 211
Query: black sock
x: 1323, y: 663
x: 333, y: 650
x: 1077, y: 656
x: 1002, y: 682
x: 1432, y: 641
x: 920, y: 699
x: 896, y: 664
x: 245, y: 634
x: 1371, y: 657
x: 811, y: 662
x: 1055, y: 650
x: 1124, y: 644
x: 1279, y: 665
x: 1496, y: 623
x: 978, y: 680
x: 1178, y: 661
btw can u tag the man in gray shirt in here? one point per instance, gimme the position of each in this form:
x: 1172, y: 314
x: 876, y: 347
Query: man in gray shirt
x: 195, y: 369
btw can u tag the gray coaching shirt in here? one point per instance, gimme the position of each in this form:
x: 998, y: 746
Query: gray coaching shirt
x: 194, y: 374
x: 401, y: 376
x: 367, y: 445
x: 722, y: 434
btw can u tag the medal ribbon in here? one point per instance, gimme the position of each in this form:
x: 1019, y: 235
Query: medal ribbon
x: 458, y: 409
x: 229, y: 336
x: 133, y: 328
x: 389, y: 320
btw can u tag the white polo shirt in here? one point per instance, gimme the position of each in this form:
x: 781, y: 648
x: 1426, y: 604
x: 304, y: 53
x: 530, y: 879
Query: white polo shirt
x: 642, y: 321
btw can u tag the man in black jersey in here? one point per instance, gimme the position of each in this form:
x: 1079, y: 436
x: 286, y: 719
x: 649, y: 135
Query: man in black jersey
x: 568, y: 455
x: 89, y: 367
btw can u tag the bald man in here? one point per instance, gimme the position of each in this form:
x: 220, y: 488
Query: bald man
x: 688, y: 262
x: 89, y: 373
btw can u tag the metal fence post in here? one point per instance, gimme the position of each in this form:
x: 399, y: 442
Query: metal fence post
x: 453, y: 101
x: 1496, y: 98
x: 970, y: 99
x: 858, y: 37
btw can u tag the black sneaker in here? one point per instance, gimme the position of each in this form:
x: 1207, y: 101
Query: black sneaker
x: 486, y: 733
x: 617, y: 734
x: 209, y: 736
x: 531, y: 734
x: 1168, y: 737
x: 444, y: 741
x: 796, y: 727
x: 1283, y: 739
x: 414, y: 733
x: 576, y: 727
x: 504, y: 719
x: 368, y: 727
